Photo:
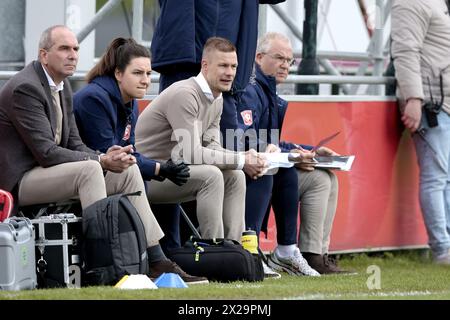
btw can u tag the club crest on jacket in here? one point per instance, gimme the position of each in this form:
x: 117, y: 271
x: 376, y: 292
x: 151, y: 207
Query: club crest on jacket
x: 247, y: 117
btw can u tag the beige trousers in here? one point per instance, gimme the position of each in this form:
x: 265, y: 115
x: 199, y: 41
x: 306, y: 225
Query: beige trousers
x: 318, y: 192
x: 84, y: 180
x: 220, y: 199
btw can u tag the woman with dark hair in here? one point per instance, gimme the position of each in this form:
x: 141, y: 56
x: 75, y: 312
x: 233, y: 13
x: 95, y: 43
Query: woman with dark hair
x: 106, y: 109
x: 106, y: 112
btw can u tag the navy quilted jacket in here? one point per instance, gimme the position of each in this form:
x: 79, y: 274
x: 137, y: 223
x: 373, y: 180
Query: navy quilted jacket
x: 184, y: 26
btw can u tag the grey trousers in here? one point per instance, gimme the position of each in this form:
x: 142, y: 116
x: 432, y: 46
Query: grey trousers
x: 318, y: 192
x: 84, y: 180
x: 220, y: 199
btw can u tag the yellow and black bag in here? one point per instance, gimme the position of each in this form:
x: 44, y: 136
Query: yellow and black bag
x: 222, y: 260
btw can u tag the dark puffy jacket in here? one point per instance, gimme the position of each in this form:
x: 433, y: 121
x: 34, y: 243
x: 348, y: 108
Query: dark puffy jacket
x: 184, y: 26
x: 102, y: 119
x: 261, y: 108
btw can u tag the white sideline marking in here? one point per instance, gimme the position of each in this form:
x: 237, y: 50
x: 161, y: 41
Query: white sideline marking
x: 321, y: 296
x: 239, y: 286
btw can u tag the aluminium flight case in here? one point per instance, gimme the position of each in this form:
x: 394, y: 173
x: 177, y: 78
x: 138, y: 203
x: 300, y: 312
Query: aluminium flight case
x: 58, y: 260
x: 17, y: 254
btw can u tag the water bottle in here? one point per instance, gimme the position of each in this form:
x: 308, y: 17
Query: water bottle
x: 249, y: 241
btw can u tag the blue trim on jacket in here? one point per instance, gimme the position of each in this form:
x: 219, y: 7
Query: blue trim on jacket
x: 102, y: 117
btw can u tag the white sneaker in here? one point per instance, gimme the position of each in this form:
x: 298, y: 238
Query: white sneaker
x: 269, y: 273
x: 294, y: 265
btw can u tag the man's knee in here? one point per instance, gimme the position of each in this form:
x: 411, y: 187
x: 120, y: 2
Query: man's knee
x: 334, y: 185
x: 235, y: 176
x: 234, y: 179
x: 129, y: 180
x: 92, y: 169
x: 320, y: 180
x: 211, y: 175
x: 286, y: 177
x: 132, y: 172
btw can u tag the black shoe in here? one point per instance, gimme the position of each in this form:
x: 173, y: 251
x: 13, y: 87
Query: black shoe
x: 324, y: 264
x: 168, y: 266
x: 331, y: 265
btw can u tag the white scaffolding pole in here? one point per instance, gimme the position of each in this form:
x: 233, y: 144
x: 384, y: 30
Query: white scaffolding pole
x: 324, y: 8
x: 325, y: 63
x: 370, y: 48
x: 106, y: 9
x: 378, y: 48
x: 138, y: 20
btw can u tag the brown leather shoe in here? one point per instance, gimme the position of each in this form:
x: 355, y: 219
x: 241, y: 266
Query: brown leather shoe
x: 315, y: 261
x: 323, y: 264
x: 332, y: 266
x: 168, y: 266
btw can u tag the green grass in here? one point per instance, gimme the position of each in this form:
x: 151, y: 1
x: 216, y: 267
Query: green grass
x: 404, y: 275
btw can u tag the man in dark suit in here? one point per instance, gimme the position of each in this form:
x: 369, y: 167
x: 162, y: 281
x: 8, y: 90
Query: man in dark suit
x: 42, y: 157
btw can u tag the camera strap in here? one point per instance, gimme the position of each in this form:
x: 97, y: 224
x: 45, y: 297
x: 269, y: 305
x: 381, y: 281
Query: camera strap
x: 437, y: 106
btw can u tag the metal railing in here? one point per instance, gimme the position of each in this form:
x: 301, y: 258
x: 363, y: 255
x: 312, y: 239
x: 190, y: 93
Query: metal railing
x: 80, y: 76
x: 373, y: 56
x: 339, y: 79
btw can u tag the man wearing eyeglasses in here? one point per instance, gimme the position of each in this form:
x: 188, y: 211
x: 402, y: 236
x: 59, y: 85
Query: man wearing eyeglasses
x: 261, y: 111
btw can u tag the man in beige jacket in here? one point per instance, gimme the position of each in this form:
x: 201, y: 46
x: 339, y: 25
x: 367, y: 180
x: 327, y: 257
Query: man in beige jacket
x: 182, y: 123
x: 421, y: 53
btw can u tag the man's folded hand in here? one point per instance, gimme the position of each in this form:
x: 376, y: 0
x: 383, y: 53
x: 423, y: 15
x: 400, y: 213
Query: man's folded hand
x: 255, y: 164
x: 117, y: 159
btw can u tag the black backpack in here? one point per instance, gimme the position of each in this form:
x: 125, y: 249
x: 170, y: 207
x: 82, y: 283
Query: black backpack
x: 114, y: 242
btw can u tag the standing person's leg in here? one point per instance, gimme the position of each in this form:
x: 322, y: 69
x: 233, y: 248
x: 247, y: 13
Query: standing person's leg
x: 83, y: 179
x: 447, y: 193
x: 205, y: 185
x: 229, y: 123
x: 234, y: 204
x: 177, y: 73
x: 433, y: 151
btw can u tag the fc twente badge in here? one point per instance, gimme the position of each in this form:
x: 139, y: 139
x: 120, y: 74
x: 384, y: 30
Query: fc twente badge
x: 126, y: 134
x: 247, y: 117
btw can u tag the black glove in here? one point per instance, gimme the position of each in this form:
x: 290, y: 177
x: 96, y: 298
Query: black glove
x: 177, y: 173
